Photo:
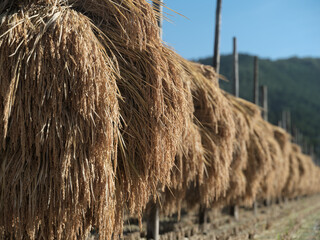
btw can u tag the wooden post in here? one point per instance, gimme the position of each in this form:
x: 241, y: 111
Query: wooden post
x: 288, y: 124
x: 284, y: 120
x: 234, y: 211
x: 296, y: 135
x: 216, y: 54
x: 264, y: 100
x: 153, y: 223
x: 255, y: 208
x: 153, y: 217
x: 235, y: 69
x: 203, y: 216
x: 312, y: 152
x: 305, y: 146
x: 256, y: 81
x: 157, y: 6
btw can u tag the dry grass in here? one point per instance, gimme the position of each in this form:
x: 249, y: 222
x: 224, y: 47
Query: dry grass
x: 259, y: 161
x: 294, y: 175
x: 58, y: 127
x: 271, y: 180
x: 155, y: 104
x: 215, y: 120
x: 237, y: 185
x: 283, y: 168
x: 189, y: 161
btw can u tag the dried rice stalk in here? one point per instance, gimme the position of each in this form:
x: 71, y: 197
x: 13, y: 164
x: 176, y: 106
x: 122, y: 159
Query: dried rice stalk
x: 294, y: 175
x: 307, y: 174
x: 58, y: 127
x: 258, y: 161
x: 155, y: 105
x: 189, y: 161
x: 283, y: 167
x: 239, y: 162
x: 217, y: 136
x: 271, y: 180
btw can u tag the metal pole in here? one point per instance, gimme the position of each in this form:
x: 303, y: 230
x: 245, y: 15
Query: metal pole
x: 216, y: 54
x: 256, y: 81
x: 235, y: 69
x: 264, y: 100
x: 158, y: 8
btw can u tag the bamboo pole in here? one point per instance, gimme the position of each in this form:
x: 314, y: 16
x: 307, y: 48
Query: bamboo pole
x: 235, y: 68
x: 288, y: 124
x: 216, y: 54
x: 264, y: 100
x: 284, y: 120
x: 256, y: 81
x: 203, y: 217
x: 256, y: 101
x: 158, y: 8
x: 153, y: 223
x: 234, y: 212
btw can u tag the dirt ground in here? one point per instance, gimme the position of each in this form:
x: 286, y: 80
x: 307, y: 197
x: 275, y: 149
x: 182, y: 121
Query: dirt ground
x: 295, y: 219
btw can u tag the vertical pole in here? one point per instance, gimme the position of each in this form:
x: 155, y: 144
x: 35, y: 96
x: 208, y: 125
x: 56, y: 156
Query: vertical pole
x: 255, y: 208
x: 284, y: 120
x: 288, y: 118
x: 216, y: 54
x: 158, y: 7
x: 312, y: 152
x: 153, y: 218
x: 235, y: 68
x: 234, y: 211
x: 153, y: 223
x: 264, y: 100
x: 256, y: 81
x: 203, y: 215
x: 256, y: 101
x: 305, y: 146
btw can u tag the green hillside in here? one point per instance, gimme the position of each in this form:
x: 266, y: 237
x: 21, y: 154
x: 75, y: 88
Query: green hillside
x: 293, y: 84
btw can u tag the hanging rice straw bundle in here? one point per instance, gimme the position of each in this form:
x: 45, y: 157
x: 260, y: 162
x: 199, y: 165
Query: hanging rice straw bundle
x: 189, y: 161
x: 283, y: 167
x: 188, y: 168
x: 284, y: 140
x: 239, y: 162
x: 271, y: 180
x: 294, y: 175
x: 307, y: 174
x: 303, y: 174
x: 58, y: 125
x: 258, y: 152
x: 216, y: 124
x: 154, y: 106
x: 308, y: 187
x: 259, y: 163
x: 316, y: 183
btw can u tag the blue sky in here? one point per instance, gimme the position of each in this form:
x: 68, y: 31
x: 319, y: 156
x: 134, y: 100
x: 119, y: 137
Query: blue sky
x: 267, y: 28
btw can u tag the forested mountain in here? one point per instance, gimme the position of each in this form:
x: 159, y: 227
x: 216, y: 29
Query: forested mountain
x: 293, y: 84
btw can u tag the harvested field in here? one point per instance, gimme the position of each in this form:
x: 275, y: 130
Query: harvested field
x: 296, y: 219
